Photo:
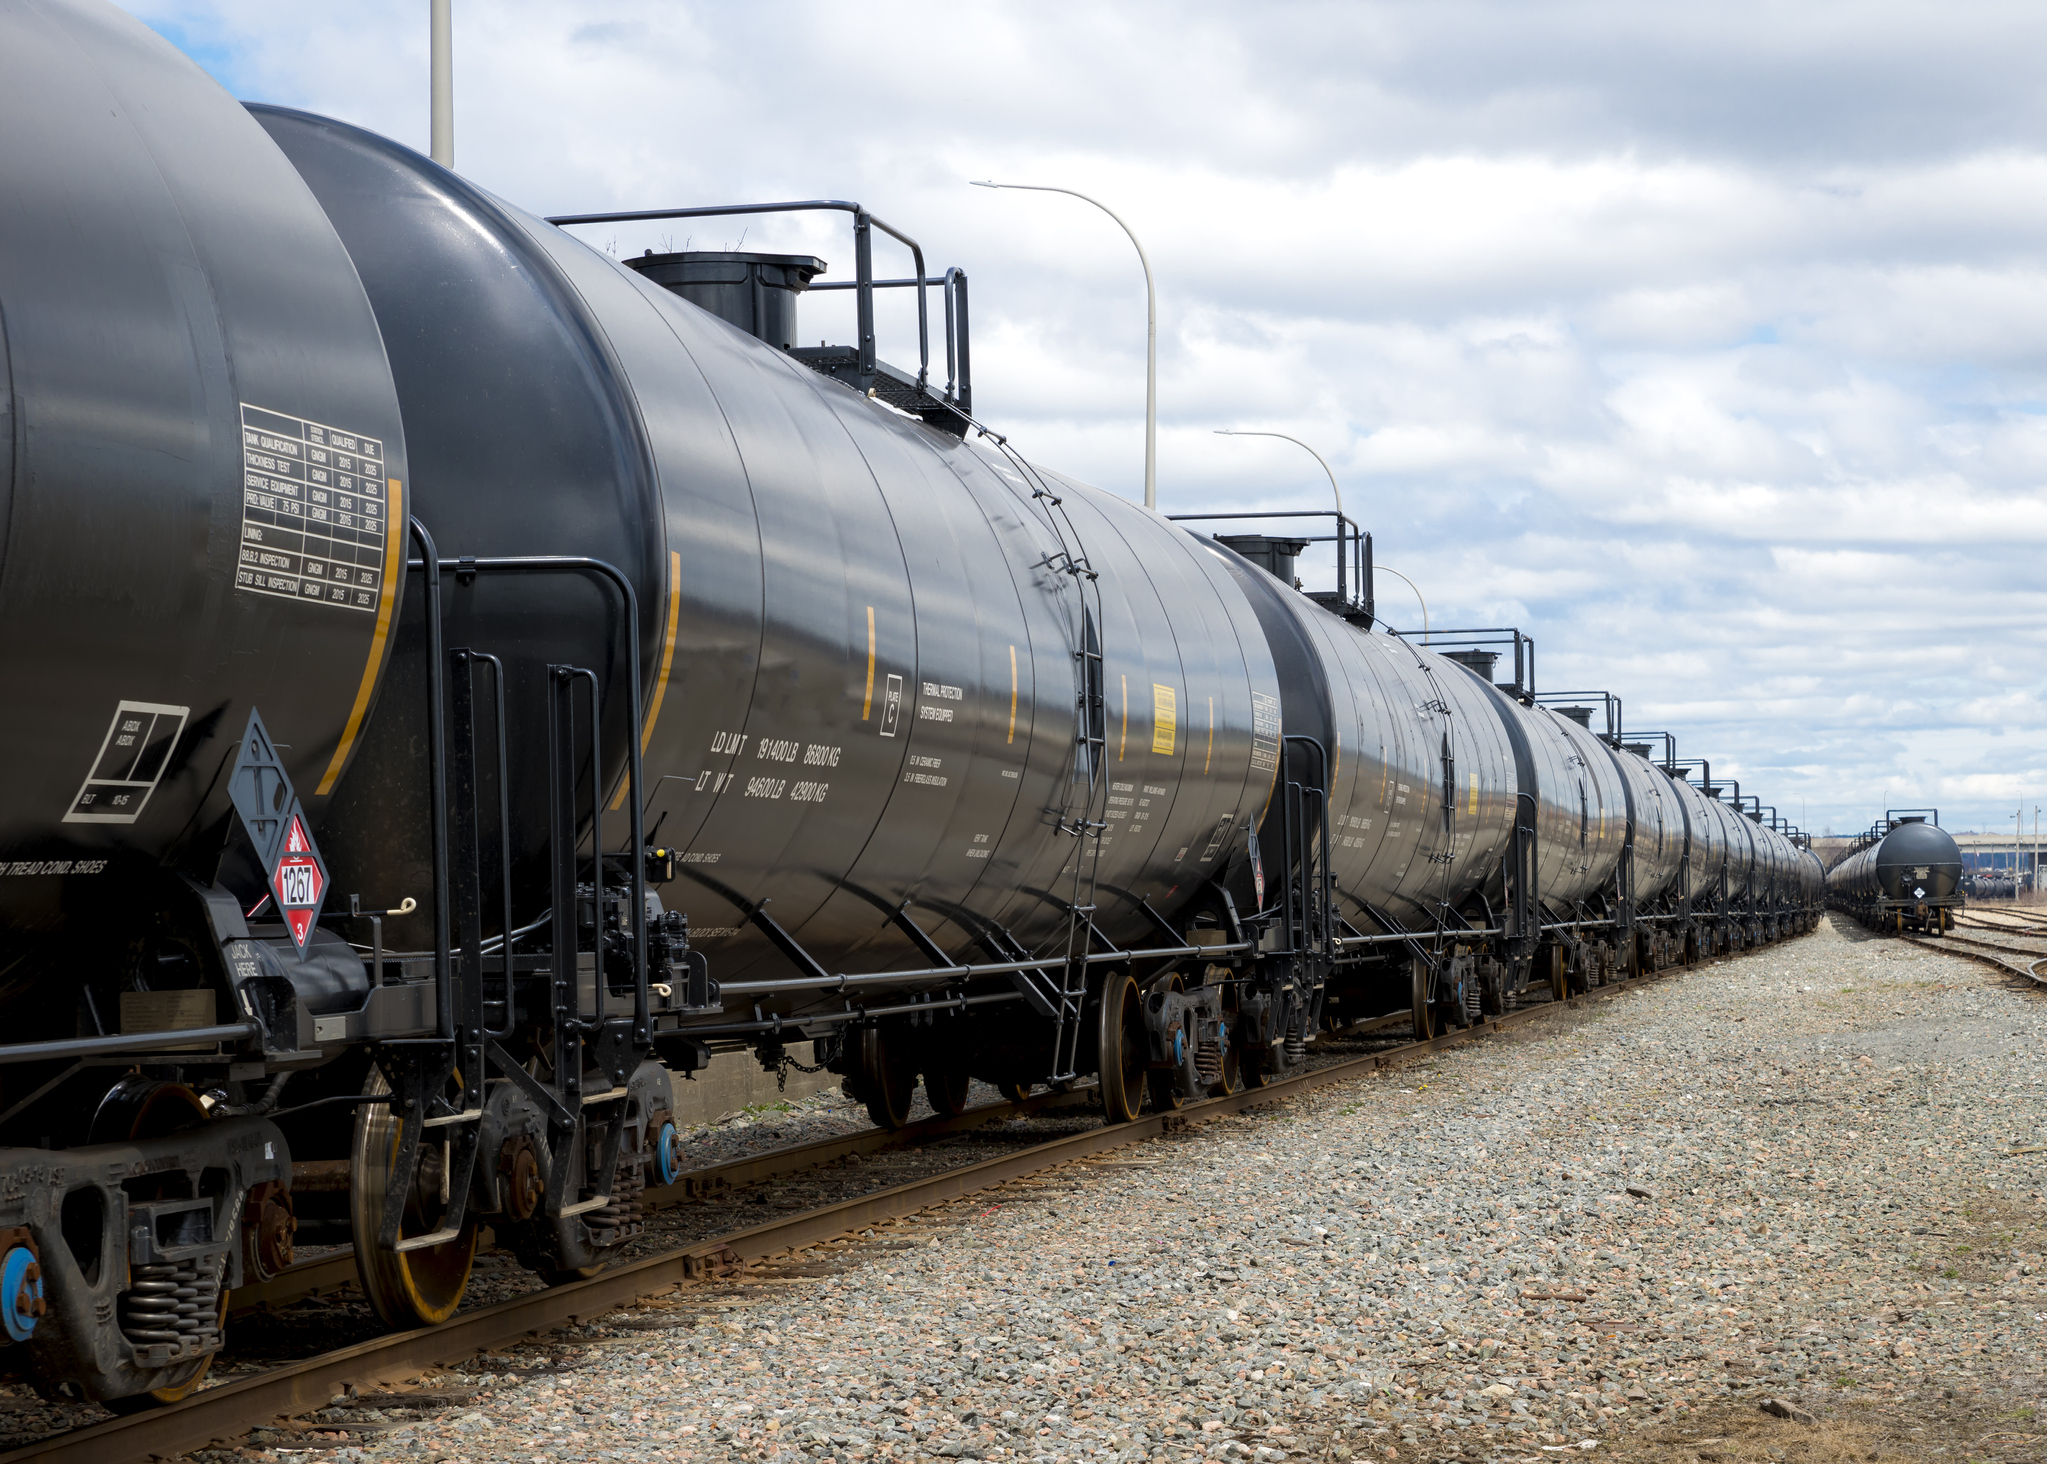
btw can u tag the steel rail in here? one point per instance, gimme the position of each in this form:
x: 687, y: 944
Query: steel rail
x: 330, y: 1273
x: 225, y: 1414
x: 2001, y: 928
x: 327, y: 1273
x: 2030, y: 970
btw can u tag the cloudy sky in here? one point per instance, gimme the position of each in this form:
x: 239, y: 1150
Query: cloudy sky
x: 1708, y: 344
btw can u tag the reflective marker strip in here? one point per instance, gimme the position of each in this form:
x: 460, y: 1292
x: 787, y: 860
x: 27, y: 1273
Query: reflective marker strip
x: 1123, y: 740
x: 1210, y: 756
x: 394, y: 564
x: 667, y: 660
x: 1012, y: 693
x: 867, y: 702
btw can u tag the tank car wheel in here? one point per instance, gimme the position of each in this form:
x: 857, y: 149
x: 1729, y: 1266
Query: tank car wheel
x: 1258, y: 1066
x: 1123, y: 1048
x: 1165, y: 1094
x: 946, y: 1092
x: 134, y: 1109
x: 1422, y: 1003
x: 1559, y: 978
x: 418, y: 1288
x: 887, y: 1083
x: 1162, y: 1083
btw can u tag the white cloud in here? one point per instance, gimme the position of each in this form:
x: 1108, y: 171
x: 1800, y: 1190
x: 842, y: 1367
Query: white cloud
x: 1708, y: 343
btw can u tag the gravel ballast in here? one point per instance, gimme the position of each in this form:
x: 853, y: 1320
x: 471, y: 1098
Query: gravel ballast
x: 1786, y: 1177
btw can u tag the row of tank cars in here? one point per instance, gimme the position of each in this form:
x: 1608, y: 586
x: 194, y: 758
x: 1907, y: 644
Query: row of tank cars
x: 1904, y: 873
x: 464, y: 680
x: 1994, y: 884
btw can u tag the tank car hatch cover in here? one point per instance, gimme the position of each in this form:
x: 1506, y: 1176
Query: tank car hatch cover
x: 293, y: 870
x: 131, y: 760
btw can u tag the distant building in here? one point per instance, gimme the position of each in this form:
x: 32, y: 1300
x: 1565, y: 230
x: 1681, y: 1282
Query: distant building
x: 1994, y: 852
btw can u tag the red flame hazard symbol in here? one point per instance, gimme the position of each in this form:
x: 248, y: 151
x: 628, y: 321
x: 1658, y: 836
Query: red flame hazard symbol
x: 298, y: 882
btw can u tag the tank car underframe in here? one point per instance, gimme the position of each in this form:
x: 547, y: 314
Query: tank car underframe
x: 1934, y: 915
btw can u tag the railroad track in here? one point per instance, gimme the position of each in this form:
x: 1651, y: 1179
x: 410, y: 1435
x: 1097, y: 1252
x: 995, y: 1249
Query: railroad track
x: 2003, y: 928
x: 225, y: 1413
x: 2003, y: 957
x: 330, y: 1273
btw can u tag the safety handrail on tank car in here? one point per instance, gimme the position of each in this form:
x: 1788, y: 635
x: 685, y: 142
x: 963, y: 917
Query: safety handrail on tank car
x: 544, y: 563
x: 1615, y: 720
x: 959, y: 368
x: 1487, y: 635
x: 1358, y: 543
x: 863, y: 258
x: 437, y: 778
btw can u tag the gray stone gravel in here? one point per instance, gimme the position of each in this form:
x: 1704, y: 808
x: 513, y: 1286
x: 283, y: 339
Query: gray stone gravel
x: 1783, y: 1175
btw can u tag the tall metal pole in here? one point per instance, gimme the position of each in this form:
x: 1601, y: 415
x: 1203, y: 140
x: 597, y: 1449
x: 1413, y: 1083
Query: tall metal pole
x: 1151, y: 334
x: 1235, y: 432
x: 443, y: 122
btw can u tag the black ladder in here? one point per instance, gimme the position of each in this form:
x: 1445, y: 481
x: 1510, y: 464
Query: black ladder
x: 1064, y: 999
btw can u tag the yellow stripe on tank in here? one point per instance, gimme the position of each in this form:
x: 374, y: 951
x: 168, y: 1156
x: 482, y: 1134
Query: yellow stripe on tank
x: 867, y: 701
x: 394, y: 550
x: 667, y: 661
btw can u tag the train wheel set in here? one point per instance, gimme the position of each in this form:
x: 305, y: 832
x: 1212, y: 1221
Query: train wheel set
x: 476, y: 680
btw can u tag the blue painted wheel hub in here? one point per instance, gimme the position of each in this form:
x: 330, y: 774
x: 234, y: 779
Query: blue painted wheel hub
x: 21, y: 1293
x: 668, y: 1153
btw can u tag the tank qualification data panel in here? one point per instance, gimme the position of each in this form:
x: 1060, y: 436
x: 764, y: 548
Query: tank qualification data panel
x: 314, y: 515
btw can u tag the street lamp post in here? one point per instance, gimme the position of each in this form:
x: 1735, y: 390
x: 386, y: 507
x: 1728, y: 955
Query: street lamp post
x: 1151, y: 335
x: 1417, y: 594
x: 1236, y: 432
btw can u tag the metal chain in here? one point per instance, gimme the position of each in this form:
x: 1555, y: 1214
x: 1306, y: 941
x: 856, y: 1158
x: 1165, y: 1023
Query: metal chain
x: 782, y: 1071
